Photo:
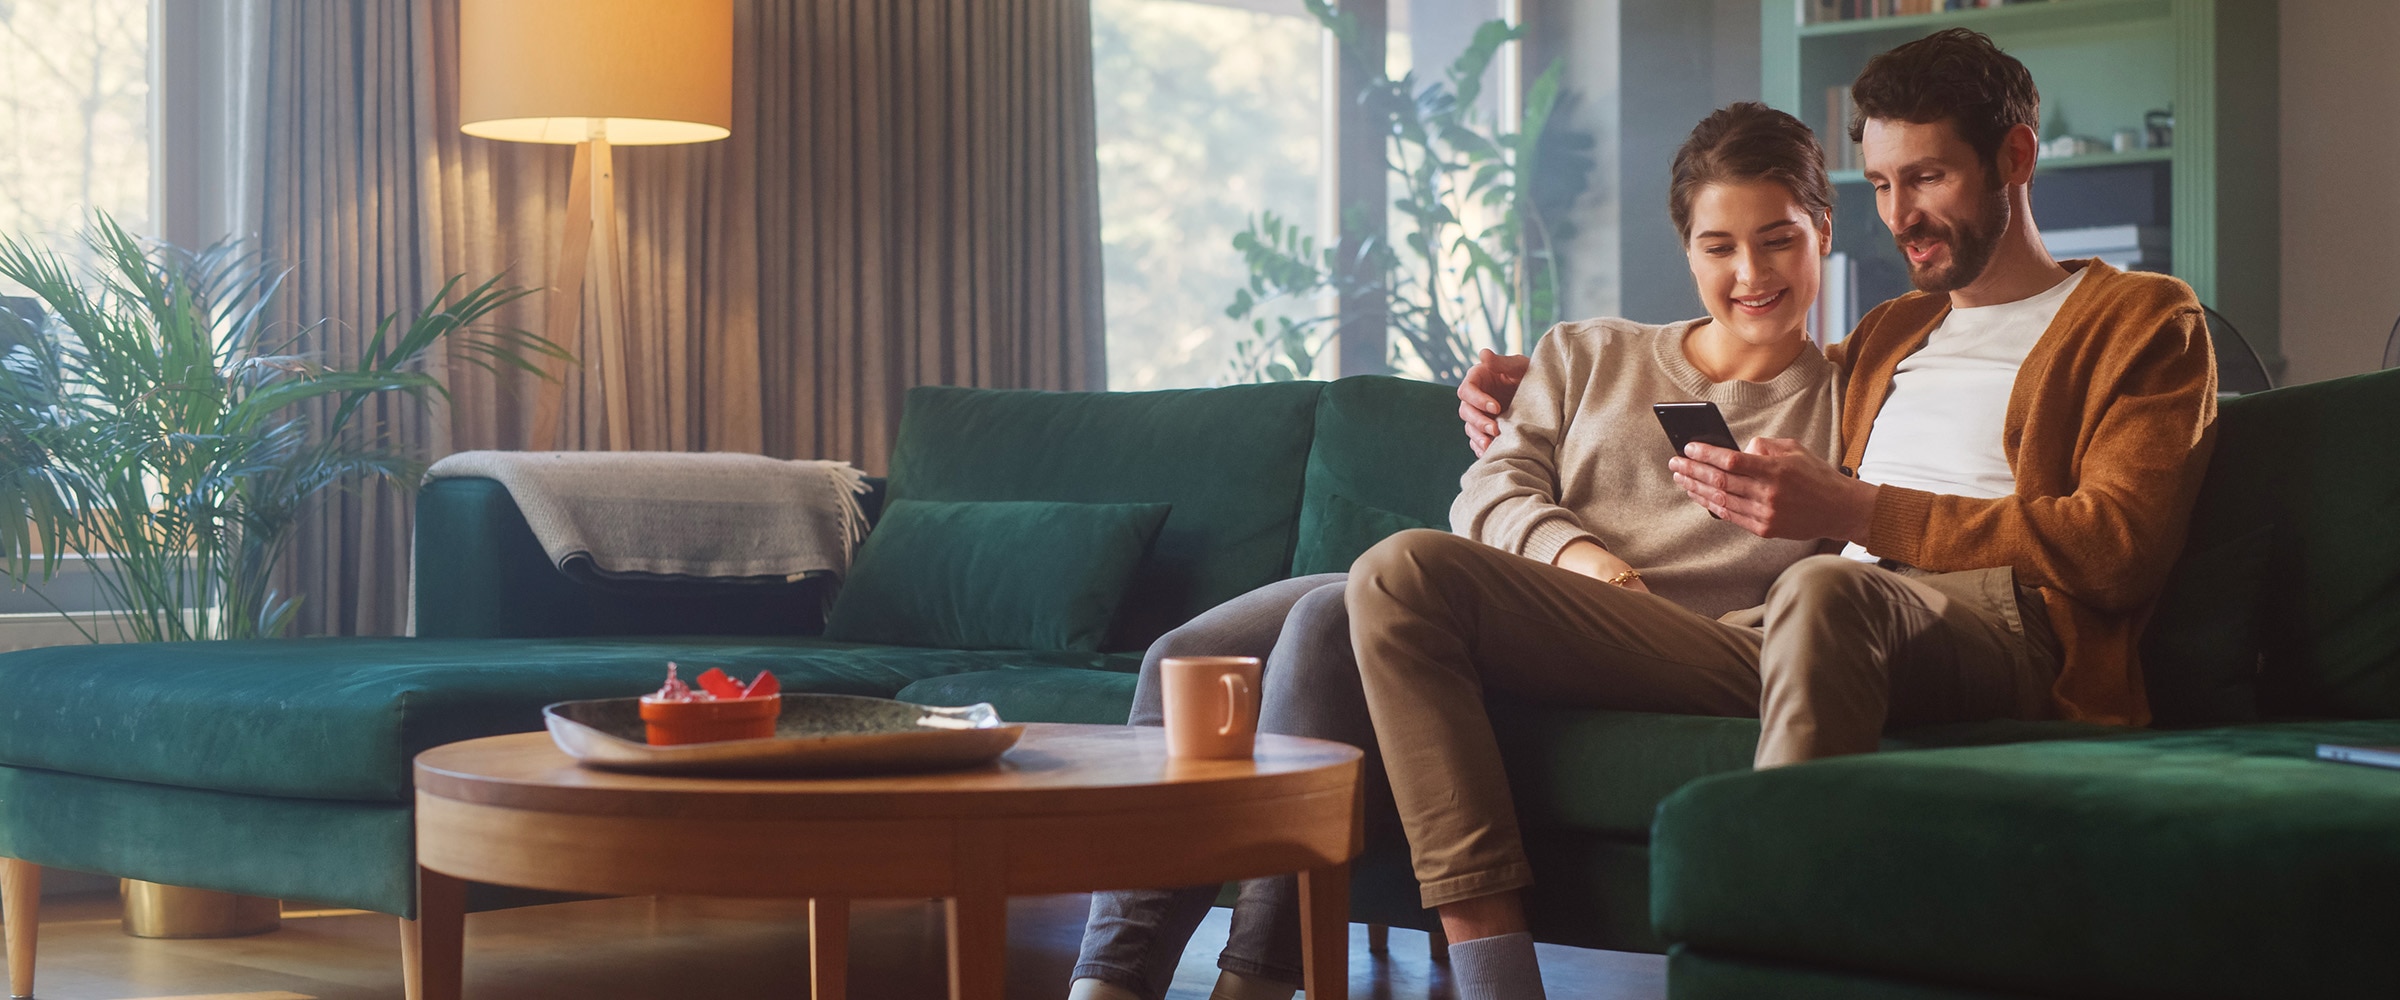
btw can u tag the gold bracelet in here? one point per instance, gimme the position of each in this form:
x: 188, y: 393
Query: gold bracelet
x: 1623, y: 578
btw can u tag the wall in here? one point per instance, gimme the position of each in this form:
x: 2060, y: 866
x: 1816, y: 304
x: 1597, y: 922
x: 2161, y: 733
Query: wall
x: 2340, y: 204
x: 1583, y: 35
x: 1643, y: 73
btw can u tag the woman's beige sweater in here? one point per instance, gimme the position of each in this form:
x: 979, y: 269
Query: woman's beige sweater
x: 1580, y: 455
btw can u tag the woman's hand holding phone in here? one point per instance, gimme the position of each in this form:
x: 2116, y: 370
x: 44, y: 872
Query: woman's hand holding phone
x: 1586, y: 557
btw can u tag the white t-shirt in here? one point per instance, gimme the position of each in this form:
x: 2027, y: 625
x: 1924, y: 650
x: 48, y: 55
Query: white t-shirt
x: 1940, y: 429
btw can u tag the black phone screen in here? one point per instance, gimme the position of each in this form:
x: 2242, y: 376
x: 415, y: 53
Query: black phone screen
x: 1689, y: 422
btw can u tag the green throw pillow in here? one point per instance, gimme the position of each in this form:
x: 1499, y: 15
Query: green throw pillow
x: 1342, y: 530
x: 2200, y: 654
x: 999, y: 575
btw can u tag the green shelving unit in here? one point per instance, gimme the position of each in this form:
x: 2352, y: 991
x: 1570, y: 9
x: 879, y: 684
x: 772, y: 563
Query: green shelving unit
x: 2102, y: 66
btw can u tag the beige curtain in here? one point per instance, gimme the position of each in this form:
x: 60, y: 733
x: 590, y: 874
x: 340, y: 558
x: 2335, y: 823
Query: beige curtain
x: 910, y: 197
x: 340, y: 209
x: 927, y: 208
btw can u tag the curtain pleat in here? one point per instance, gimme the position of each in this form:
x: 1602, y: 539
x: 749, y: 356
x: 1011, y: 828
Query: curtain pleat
x: 910, y: 196
x: 937, y: 205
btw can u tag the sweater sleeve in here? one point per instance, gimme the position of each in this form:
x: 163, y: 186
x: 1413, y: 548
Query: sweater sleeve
x: 2108, y: 543
x: 1508, y: 499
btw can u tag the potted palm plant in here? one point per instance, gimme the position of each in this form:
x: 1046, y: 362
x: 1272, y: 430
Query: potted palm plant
x: 159, y: 429
x: 153, y: 424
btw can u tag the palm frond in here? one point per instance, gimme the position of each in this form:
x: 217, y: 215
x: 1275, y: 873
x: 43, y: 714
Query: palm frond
x: 159, y: 418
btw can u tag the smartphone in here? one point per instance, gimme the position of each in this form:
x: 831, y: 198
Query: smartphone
x: 1689, y: 422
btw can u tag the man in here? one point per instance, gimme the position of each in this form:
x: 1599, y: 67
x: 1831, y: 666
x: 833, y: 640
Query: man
x: 2027, y: 437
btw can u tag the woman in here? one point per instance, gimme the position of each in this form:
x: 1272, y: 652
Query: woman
x: 1576, y: 483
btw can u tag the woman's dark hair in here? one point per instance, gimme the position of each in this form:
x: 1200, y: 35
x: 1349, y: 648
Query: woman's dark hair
x: 1955, y: 75
x: 1745, y: 142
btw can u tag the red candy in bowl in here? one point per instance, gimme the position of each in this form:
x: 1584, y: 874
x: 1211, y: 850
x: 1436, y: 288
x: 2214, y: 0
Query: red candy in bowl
x: 722, y: 709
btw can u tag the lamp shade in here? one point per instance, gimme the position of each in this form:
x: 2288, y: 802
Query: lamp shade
x: 652, y: 72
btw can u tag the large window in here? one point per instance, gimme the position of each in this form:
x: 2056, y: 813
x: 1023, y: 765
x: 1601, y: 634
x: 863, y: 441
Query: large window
x: 1215, y: 112
x: 1209, y: 113
x: 74, y: 110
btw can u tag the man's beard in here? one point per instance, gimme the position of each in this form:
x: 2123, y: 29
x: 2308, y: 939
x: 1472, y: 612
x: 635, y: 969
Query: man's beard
x: 1971, y: 246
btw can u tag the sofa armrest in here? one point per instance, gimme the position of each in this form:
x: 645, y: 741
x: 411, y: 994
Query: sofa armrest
x: 480, y: 573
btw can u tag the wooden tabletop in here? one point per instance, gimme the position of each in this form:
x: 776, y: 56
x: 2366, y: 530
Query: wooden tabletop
x: 1068, y: 809
x: 1055, y: 768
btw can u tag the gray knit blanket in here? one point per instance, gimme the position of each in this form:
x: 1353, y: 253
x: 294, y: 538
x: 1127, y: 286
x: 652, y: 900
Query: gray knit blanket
x: 683, y: 514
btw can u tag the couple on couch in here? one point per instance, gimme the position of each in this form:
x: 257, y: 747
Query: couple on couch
x: 1960, y: 514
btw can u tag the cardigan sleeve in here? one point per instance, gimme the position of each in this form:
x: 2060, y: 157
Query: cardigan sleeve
x: 2142, y: 446
x: 1508, y: 499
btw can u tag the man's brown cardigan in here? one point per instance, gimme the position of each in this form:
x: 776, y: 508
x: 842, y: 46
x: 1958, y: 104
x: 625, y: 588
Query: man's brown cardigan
x: 2108, y: 431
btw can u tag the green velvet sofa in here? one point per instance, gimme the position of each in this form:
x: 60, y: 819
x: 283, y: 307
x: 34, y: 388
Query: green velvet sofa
x: 281, y: 768
x: 2211, y: 857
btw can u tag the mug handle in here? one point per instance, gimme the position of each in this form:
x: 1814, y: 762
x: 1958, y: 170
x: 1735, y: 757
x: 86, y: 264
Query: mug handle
x: 1237, y: 699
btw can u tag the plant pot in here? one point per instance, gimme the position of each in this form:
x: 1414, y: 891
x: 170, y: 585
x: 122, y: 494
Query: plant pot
x: 157, y: 910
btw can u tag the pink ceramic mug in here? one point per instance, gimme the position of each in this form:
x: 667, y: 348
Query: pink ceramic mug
x: 1211, y: 705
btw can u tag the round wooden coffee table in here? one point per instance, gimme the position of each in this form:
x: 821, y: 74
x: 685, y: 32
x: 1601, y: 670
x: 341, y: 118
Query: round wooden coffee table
x: 1069, y: 809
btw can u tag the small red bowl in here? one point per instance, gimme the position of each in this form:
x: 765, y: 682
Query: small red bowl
x: 669, y: 723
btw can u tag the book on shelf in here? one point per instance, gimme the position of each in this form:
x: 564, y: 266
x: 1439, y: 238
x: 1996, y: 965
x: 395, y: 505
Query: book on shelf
x: 1830, y: 319
x: 1840, y: 152
x: 1827, y: 11
x: 2126, y: 248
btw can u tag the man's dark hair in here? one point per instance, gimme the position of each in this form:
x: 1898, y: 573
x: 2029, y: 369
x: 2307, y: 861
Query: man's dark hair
x: 1955, y: 75
x: 1750, y: 141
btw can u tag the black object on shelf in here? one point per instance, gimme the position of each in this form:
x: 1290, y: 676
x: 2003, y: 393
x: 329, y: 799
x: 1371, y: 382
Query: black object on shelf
x: 2238, y: 367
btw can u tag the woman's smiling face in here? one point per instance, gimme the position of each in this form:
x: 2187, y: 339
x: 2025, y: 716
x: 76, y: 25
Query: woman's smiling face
x: 1757, y: 257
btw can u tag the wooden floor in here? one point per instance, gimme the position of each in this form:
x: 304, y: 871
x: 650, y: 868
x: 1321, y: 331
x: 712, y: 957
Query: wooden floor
x: 636, y: 949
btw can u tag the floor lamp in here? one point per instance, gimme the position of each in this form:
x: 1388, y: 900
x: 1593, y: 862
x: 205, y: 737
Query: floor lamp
x: 598, y: 74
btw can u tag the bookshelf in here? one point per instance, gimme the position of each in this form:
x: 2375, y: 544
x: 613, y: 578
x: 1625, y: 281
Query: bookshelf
x: 2102, y: 66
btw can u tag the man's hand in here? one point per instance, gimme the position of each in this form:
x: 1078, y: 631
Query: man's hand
x: 1485, y: 394
x: 1587, y: 557
x: 1776, y: 489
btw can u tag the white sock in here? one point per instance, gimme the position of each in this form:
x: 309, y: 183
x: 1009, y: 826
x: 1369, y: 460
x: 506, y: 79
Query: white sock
x: 1235, y: 986
x: 1093, y: 989
x: 1501, y: 967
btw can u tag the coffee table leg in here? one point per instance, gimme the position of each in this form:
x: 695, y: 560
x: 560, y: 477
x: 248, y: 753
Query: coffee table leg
x: 433, y: 947
x: 1325, y: 932
x: 978, y: 947
x: 21, y: 911
x: 828, y: 948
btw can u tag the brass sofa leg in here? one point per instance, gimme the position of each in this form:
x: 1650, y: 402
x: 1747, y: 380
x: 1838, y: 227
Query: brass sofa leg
x: 21, y: 910
x: 1437, y: 944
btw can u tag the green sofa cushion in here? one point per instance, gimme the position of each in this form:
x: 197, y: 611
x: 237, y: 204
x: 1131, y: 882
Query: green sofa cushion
x: 1036, y: 694
x: 1387, y: 444
x: 2312, y: 461
x: 2201, y: 863
x: 1336, y: 531
x: 1006, y: 575
x: 2203, y: 637
x: 1606, y: 772
x: 1229, y: 460
x: 358, y: 854
x: 342, y: 718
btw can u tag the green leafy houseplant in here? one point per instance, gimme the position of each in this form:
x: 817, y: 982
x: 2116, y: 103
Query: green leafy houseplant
x: 1481, y: 209
x: 152, y: 423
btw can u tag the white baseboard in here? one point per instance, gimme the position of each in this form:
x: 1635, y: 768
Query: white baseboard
x: 30, y: 631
